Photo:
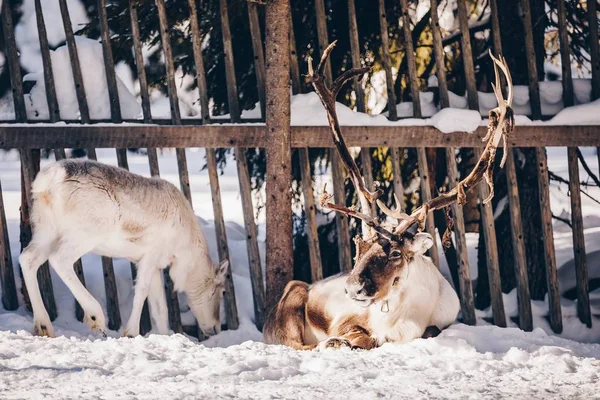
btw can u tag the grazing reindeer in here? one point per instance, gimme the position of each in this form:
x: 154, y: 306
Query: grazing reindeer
x: 394, y: 293
x: 84, y: 206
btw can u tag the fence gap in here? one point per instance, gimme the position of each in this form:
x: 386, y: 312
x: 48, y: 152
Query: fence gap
x: 258, y: 288
x: 231, y: 312
x: 387, y: 62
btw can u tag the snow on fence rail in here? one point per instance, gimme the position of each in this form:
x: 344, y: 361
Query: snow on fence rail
x: 178, y: 133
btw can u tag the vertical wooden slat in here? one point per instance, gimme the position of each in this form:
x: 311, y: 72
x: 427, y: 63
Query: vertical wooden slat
x: 491, y: 253
x: 279, y: 232
x: 496, y: 38
x: 184, y: 180
x: 594, y: 48
x: 516, y: 222
x: 565, y: 57
x: 323, y: 36
x: 243, y: 175
x: 74, y: 61
x: 110, y: 284
x: 9, y: 288
x: 518, y: 245
x: 53, y: 109
x: 387, y: 62
x: 532, y: 74
x: 84, y: 112
x: 175, y: 316
x: 581, y: 273
x: 365, y: 153
x: 259, y: 58
x: 425, y: 197
x: 421, y: 153
x: 355, y: 52
x: 548, y: 239
x: 145, y: 323
x: 466, y: 290
x: 467, y: 55
x: 438, y: 51
x: 29, y: 158
x: 487, y: 215
x: 412, y: 66
x: 397, y: 155
x: 47, y: 64
x: 231, y: 312
x: 314, y: 249
x: 337, y: 172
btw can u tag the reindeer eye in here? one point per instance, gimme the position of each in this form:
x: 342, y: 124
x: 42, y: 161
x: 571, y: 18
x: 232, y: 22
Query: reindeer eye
x: 396, y: 280
x: 395, y: 254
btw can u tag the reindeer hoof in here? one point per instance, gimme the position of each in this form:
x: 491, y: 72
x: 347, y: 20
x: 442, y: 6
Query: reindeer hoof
x: 334, y: 343
x: 43, y: 329
x: 431, y: 332
x: 95, y: 323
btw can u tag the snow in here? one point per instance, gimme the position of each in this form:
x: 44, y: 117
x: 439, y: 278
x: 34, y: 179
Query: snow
x: 482, y: 361
x: 583, y: 114
x: 94, y: 82
x: 463, y: 362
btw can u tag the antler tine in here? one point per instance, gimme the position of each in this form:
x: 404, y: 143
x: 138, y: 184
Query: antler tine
x: 396, y: 213
x: 370, y: 221
x: 506, y: 71
x: 325, y: 56
x: 346, y: 76
x: 327, y: 97
x: 496, y: 85
x: 501, y: 123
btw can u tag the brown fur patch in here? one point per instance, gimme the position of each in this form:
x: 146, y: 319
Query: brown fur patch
x: 132, y: 227
x: 285, y: 323
x: 355, y: 329
x: 317, y: 316
x: 45, y: 199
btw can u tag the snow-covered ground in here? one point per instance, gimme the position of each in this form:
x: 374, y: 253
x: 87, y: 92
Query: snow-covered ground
x: 481, y: 361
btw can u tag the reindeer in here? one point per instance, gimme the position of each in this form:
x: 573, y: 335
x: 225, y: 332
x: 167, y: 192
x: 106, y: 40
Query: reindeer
x: 394, y: 293
x: 85, y: 206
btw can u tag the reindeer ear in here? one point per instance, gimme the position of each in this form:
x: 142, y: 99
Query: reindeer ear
x: 221, y: 271
x: 421, y: 243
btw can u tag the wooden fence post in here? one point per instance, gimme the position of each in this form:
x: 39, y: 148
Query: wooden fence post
x: 280, y: 255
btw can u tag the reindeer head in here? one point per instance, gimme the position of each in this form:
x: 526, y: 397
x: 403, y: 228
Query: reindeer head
x: 381, y: 266
x: 384, y: 252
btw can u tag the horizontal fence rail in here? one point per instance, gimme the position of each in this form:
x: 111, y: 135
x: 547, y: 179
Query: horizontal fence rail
x: 240, y: 135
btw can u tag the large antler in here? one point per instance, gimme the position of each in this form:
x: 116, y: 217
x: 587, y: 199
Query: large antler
x: 501, y: 124
x: 328, y: 96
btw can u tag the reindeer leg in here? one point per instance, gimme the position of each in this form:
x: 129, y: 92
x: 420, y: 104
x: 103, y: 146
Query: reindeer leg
x: 30, y: 260
x: 62, y: 261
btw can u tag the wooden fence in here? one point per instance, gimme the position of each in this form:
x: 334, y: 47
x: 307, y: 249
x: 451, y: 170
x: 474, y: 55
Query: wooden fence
x: 278, y: 138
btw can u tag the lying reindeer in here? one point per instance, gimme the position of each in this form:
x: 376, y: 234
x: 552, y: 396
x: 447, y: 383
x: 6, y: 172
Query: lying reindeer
x: 84, y: 206
x: 394, y: 292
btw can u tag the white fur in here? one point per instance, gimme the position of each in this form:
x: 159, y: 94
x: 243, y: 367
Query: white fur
x: 114, y: 213
x: 424, y: 298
